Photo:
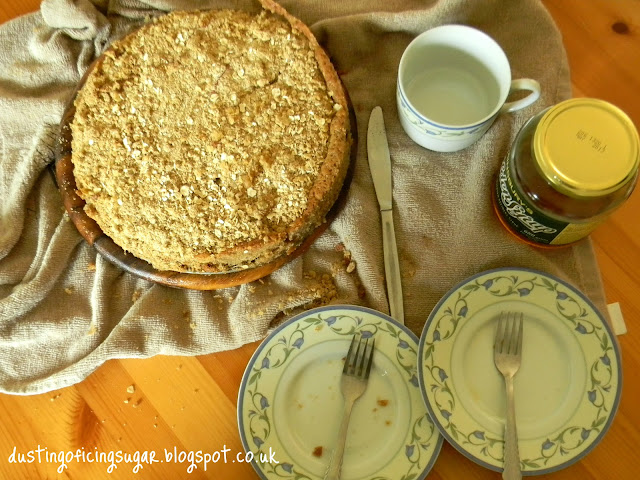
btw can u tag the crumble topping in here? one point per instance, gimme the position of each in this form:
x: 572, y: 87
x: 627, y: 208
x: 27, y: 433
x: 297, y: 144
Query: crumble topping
x: 203, y: 133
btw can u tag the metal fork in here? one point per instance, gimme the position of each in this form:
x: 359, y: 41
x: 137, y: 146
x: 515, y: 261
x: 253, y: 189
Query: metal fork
x: 507, y: 355
x: 353, y: 383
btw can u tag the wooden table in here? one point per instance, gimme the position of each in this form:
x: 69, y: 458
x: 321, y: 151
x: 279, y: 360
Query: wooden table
x: 190, y: 402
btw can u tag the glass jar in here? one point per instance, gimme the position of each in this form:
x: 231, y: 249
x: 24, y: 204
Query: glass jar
x: 569, y: 167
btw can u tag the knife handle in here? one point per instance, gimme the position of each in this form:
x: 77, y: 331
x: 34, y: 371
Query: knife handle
x: 392, y: 267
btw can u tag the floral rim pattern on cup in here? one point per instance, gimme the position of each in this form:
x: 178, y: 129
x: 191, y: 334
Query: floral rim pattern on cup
x: 433, y: 129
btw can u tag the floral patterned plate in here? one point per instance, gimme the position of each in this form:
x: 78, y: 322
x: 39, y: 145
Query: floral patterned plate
x: 290, y: 405
x: 568, y: 386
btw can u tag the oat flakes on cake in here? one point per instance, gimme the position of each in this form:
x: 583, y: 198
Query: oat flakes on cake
x: 213, y: 140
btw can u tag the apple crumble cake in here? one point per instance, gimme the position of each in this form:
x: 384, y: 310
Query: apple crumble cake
x: 211, y: 141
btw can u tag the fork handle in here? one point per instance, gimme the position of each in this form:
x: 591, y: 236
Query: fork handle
x: 511, y: 454
x: 335, y: 463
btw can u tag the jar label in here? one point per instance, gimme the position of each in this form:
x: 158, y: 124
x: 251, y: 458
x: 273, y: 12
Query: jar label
x: 529, y: 222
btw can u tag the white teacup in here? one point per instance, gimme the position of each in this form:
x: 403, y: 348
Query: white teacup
x: 453, y: 81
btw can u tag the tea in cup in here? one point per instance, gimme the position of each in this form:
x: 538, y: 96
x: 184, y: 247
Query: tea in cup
x: 453, y: 81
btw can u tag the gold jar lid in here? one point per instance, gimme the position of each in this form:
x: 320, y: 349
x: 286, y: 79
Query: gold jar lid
x: 586, y: 147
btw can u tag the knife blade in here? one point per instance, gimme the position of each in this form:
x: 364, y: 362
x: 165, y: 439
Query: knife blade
x: 380, y: 167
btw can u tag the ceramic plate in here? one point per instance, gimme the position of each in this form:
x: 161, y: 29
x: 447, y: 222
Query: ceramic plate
x: 567, y: 389
x: 290, y: 404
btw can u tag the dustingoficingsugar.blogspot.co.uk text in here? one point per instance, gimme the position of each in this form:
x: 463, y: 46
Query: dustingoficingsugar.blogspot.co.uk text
x: 138, y: 459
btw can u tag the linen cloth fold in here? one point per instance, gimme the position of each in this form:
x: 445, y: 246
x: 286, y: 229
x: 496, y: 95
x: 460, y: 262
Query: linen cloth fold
x: 64, y: 310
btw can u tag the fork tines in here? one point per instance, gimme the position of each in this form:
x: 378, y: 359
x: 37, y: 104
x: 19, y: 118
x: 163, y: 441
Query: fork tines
x: 359, y: 357
x: 507, y: 340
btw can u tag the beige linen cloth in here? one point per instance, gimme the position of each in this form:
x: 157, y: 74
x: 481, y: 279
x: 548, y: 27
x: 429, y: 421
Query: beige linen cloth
x: 65, y: 310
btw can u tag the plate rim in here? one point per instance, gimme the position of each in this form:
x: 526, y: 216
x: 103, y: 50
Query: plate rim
x: 296, y: 318
x: 615, y: 345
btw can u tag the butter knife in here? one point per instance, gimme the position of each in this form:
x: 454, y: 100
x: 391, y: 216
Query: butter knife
x: 380, y: 166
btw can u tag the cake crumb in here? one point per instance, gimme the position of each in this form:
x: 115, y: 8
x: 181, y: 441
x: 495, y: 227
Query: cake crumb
x: 351, y: 267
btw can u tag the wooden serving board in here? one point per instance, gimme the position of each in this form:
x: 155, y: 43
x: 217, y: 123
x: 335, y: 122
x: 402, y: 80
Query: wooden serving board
x: 93, y: 234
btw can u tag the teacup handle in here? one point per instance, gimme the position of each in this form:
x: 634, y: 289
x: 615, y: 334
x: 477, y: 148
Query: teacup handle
x: 522, y: 84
